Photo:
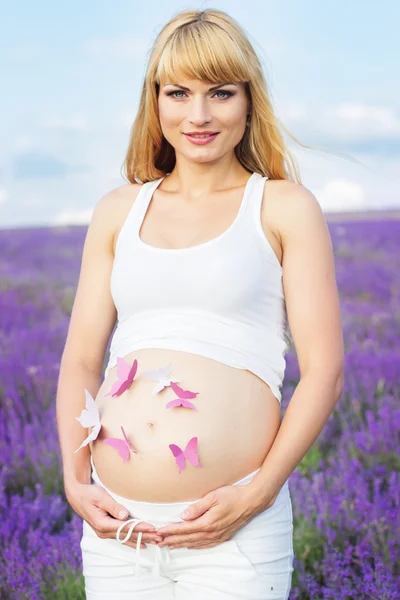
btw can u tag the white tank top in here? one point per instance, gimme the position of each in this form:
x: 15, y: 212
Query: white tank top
x: 222, y: 299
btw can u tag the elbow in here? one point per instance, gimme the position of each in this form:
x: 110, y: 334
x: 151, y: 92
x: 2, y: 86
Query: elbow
x: 328, y: 377
x: 337, y: 381
x: 340, y: 383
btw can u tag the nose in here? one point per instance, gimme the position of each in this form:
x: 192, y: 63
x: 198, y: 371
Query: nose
x: 199, y: 112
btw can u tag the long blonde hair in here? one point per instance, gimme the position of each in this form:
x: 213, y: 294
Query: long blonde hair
x: 208, y: 45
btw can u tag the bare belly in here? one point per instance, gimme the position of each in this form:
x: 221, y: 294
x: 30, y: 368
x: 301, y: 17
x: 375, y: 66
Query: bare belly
x: 236, y: 421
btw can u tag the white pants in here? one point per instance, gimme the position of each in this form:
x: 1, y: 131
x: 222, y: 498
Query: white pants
x: 256, y: 564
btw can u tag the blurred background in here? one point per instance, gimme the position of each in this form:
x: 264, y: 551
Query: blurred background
x: 71, y: 74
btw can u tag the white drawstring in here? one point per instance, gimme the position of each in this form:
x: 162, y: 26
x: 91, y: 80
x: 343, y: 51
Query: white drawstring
x: 134, y: 522
x: 157, y: 562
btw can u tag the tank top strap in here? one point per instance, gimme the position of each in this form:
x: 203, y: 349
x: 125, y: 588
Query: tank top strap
x: 134, y: 218
x: 140, y: 205
x: 252, y: 209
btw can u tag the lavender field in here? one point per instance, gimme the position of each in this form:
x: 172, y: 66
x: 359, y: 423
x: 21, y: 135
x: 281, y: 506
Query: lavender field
x: 345, y: 493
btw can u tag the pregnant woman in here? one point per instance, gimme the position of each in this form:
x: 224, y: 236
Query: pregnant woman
x: 201, y: 265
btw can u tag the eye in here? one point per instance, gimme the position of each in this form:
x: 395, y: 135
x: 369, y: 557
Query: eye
x: 175, y: 92
x: 227, y: 94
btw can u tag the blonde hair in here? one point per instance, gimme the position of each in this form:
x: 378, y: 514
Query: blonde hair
x: 208, y: 45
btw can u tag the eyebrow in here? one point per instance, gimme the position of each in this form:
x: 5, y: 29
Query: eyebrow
x: 214, y: 87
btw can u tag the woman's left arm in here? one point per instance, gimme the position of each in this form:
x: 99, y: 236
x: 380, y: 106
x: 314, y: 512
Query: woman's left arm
x: 314, y: 317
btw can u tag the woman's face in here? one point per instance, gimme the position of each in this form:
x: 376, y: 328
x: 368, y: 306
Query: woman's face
x: 202, y: 106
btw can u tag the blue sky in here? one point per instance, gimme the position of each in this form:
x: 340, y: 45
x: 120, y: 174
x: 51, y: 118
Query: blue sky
x: 71, y: 74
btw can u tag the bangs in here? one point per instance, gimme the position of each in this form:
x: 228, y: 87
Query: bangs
x: 202, y: 51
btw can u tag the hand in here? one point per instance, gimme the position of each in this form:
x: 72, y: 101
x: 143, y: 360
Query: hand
x: 93, y: 504
x: 213, y: 519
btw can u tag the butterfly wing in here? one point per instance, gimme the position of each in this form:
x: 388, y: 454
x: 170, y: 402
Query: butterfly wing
x: 158, y: 374
x: 91, y: 437
x: 89, y: 415
x: 125, y: 374
x: 182, y: 393
x: 117, y: 388
x: 190, y: 452
x: 173, y: 403
x: 125, y: 436
x: 160, y: 386
x: 179, y: 457
x: 127, y: 441
x: 121, y: 446
x: 132, y: 372
x: 123, y: 369
x: 180, y: 402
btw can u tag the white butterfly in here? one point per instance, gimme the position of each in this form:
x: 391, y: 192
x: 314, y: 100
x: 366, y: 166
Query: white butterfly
x: 160, y: 375
x: 90, y: 417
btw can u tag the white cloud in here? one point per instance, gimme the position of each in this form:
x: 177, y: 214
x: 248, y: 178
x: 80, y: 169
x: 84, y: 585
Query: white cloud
x: 363, y: 121
x: 23, y: 142
x: 70, y: 217
x: 3, y: 195
x: 295, y: 112
x: 351, y: 121
x: 341, y: 195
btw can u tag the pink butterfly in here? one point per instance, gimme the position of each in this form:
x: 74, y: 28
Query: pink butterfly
x: 190, y: 454
x: 122, y: 446
x: 125, y: 375
x: 183, y: 395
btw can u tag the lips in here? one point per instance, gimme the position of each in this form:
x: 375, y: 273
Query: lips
x: 200, y: 135
x: 200, y: 140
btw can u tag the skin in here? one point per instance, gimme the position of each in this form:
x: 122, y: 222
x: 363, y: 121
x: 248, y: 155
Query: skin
x: 199, y: 170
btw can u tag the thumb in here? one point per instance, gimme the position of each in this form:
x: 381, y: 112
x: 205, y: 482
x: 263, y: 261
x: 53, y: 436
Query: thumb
x: 198, y: 508
x: 119, y: 511
x: 114, y: 508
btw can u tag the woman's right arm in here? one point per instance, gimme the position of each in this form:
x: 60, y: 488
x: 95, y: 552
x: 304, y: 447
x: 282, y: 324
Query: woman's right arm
x: 92, y: 320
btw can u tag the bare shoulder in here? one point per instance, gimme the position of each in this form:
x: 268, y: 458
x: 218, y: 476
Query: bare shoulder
x: 115, y: 206
x: 289, y: 206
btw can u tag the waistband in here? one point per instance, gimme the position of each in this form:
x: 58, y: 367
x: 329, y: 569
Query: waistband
x: 156, y: 513
x: 159, y: 514
x: 158, y: 510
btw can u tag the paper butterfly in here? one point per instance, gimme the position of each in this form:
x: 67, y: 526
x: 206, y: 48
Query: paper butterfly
x: 123, y: 447
x: 160, y: 375
x: 90, y: 417
x: 125, y: 375
x: 182, y: 397
x: 190, y: 454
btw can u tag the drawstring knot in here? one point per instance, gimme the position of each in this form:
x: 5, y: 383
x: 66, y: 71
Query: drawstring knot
x: 134, y: 522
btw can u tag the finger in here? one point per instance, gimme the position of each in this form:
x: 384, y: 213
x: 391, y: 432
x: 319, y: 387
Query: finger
x: 181, y: 539
x: 143, y: 526
x: 108, y: 504
x: 107, y: 527
x: 196, y: 509
x: 148, y: 537
x: 199, y: 525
